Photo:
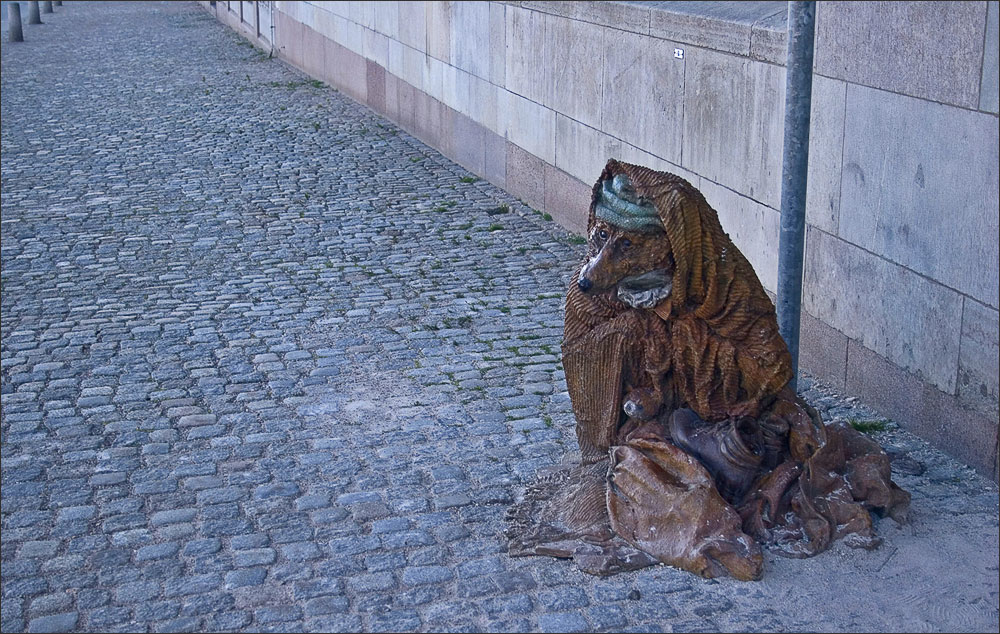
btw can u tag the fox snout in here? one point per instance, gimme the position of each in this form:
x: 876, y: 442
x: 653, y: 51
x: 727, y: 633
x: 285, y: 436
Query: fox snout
x: 600, y: 272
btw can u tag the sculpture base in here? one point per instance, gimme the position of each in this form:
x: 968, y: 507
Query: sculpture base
x: 650, y: 502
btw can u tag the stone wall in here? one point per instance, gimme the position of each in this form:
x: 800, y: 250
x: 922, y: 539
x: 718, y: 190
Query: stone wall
x: 901, y: 277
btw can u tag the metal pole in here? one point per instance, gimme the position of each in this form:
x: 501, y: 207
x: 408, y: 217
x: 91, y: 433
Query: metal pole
x: 47, y: 6
x: 798, y: 100
x: 14, y: 28
x: 34, y: 17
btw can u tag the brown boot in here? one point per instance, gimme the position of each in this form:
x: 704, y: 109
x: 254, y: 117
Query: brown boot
x: 731, y: 450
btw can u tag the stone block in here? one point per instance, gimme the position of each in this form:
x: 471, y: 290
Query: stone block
x: 582, y: 151
x: 289, y: 37
x: 481, y: 102
x: 407, y: 103
x: 387, y: 18
x: 362, y: 13
x: 989, y: 93
x: 412, y: 64
x: 576, y: 82
x: 925, y: 198
x: 567, y: 199
x: 753, y: 228
x: 822, y: 351
x: 769, y: 38
x: 525, y: 74
x: 495, y: 159
x: 529, y: 125
x: 376, y: 48
x: 625, y: 16
x: 902, y: 316
x: 324, y: 21
x: 375, y: 86
x: 469, y: 144
x: 438, y: 16
x: 826, y: 151
x: 734, y: 123
x: 639, y: 97
x: 721, y: 26
x: 433, y: 77
x: 498, y: 44
x: 470, y: 37
x: 348, y: 34
x: 313, y: 45
x: 346, y: 70
x: 413, y: 25
x: 525, y: 176
x: 967, y: 435
x: 392, y: 96
x: 455, y: 88
x: 931, y: 50
x: 978, y: 365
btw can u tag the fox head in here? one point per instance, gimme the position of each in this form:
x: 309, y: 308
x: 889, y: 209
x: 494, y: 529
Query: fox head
x: 635, y: 265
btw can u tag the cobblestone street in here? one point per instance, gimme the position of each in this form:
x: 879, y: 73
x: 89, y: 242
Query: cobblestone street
x: 269, y: 363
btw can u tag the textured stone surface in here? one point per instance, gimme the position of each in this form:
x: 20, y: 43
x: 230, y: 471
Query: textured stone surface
x: 574, y: 88
x: 582, y: 151
x: 377, y: 342
x: 722, y: 26
x: 929, y: 50
x: 724, y: 98
x: 978, y: 360
x: 841, y: 282
x: 826, y: 151
x: 639, y: 94
x: 923, y: 200
x: 989, y: 88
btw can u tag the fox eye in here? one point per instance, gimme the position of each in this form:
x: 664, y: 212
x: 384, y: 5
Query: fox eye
x: 626, y: 243
x: 602, y: 234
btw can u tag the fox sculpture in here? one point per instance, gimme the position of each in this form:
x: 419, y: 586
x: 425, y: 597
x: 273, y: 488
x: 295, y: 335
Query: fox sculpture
x: 694, y: 449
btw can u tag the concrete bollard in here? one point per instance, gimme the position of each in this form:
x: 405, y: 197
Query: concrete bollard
x: 47, y: 7
x: 57, y: 3
x: 14, y: 15
x: 34, y: 17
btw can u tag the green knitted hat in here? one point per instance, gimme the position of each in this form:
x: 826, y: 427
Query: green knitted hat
x: 620, y: 205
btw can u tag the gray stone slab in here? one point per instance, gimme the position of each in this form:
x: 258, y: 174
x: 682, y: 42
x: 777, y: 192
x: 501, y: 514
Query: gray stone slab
x: 733, y: 123
x: 931, y: 50
x: 639, y: 97
x: 582, y: 151
x: 525, y: 45
x: 626, y: 16
x: 979, y: 358
x: 923, y: 409
x: 886, y: 307
x: 989, y: 88
x: 575, y: 86
x: 721, y: 26
x: 927, y: 199
x: 470, y: 37
x: 826, y: 151
x: 822, y: 351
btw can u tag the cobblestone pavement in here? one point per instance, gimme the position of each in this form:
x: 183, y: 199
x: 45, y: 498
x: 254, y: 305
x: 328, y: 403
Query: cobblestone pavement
x: 271, y: 364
